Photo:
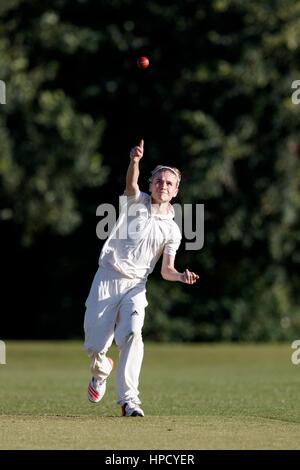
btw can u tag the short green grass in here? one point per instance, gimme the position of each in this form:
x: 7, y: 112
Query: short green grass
x: 194, y: 396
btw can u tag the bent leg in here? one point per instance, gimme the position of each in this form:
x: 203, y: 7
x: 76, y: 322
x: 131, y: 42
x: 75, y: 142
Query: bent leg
x: 99, y: 324
x: 100, y: 365
x: 99, y: 333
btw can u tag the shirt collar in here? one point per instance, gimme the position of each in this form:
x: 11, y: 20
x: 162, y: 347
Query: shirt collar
x: 169, y: 215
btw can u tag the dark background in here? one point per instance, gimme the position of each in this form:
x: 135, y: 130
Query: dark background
x: 215, y: 102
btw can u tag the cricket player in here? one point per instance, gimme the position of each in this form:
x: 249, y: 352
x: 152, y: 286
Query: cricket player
x: 115, y: 307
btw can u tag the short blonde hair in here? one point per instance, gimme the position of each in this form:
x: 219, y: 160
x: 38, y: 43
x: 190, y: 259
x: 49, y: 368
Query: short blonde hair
x: 160, y: 168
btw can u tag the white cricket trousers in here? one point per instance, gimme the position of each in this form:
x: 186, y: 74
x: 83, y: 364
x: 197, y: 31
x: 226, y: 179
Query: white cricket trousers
x: 115, y: 309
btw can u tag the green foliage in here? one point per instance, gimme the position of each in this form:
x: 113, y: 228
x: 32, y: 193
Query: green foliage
x: 216, y: 102
x: 49, y: 149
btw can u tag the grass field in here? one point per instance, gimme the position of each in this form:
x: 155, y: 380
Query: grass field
x: 194, y: 397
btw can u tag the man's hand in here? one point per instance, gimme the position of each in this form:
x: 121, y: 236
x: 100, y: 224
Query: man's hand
x: 137, y: 152
x: 169, y: 273
x: 188, y: 277
x: 132, y: 176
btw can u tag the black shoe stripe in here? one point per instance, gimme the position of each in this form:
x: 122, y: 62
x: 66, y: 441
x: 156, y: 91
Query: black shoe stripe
x: 136, y: 413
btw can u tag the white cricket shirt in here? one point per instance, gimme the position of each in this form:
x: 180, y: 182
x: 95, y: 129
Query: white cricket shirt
x: 139, y: 238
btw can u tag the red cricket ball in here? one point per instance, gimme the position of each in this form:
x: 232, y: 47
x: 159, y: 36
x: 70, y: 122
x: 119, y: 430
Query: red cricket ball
x: 143, y: 62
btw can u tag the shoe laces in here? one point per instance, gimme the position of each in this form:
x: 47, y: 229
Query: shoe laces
x: 96, y: 383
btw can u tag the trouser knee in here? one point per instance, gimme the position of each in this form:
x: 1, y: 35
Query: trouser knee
x: 134, y: 336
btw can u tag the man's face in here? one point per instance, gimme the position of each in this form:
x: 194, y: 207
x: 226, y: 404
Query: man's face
x: 163, y: 187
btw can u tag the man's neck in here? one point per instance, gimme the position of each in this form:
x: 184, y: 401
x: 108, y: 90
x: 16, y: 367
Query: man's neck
x: 160, y: 207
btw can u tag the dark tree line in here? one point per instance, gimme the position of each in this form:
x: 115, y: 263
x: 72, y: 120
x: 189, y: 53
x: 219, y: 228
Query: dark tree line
x: 215, y: 102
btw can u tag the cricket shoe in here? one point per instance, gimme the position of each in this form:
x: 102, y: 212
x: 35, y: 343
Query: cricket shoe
x: 97, y: 388
x: 131, y: 409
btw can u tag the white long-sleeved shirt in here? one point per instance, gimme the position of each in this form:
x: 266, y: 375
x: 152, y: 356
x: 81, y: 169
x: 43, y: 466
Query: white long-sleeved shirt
x: 139, y: 238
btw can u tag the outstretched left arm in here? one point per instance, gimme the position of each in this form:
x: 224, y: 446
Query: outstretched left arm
x: 169, y: 273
